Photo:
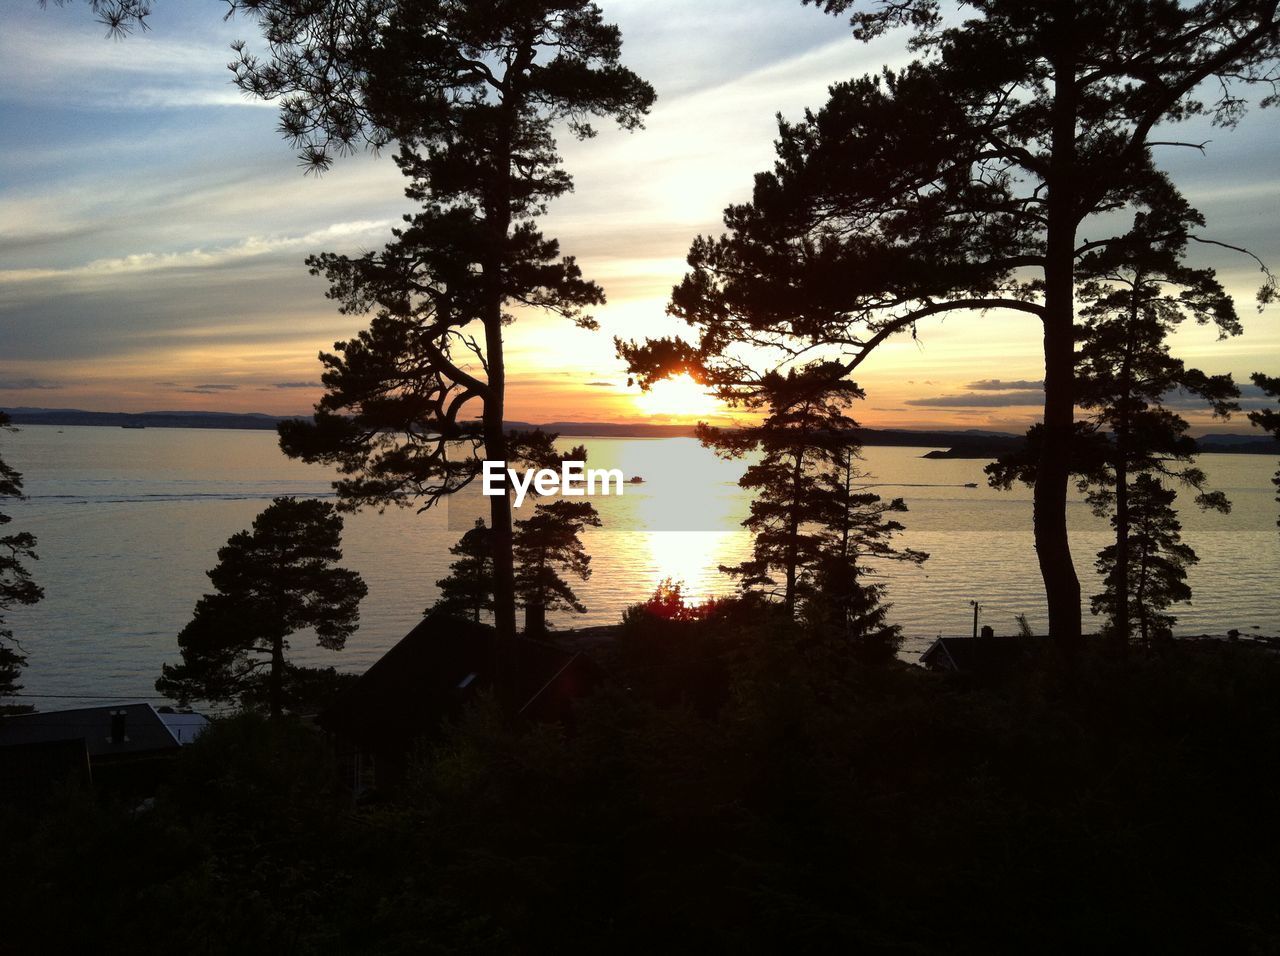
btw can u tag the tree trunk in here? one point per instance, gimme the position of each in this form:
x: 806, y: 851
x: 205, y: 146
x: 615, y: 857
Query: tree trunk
x: 504, y: 575
x: 1141, y: 595
x: 1121, y: 624
x: 793, y: 533
x: 276, y: 679
x: 535, y: 619
x: 1053, y: 547
x: 498, y: 215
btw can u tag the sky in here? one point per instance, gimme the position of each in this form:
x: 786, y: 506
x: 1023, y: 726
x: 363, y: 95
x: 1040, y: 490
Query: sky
x: 153, y: 224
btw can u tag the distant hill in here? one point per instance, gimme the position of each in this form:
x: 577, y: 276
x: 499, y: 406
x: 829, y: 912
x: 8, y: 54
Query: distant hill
x: 1240, y: 444
x: 994, y: 445
x: 76, y: 416
x: 959, y: 443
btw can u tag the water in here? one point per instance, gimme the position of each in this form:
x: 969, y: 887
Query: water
x: 129, y: 521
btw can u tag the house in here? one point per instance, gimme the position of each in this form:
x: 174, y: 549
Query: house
x: 425, y: 680
x: 970, y: 654
x: 121, y: 746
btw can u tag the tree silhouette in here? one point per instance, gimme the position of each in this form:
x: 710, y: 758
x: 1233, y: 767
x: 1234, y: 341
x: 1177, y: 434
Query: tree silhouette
x: 806, y: 421
x: 473, y: 94
x: 856, y: 532
x: 468, y: 590
x: 270, y: 582
x: 967, y: 181
x: 1157, y: 561
x: 810, y: 510
x: 1138, y: 293
x: 16, y: 585
x: 547, y: 547
x: 1268, y: 418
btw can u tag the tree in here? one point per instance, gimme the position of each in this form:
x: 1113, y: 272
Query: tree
x: 274, y: 580
x: 1140, y: 291
x: 468, y: 590
x: 472, y: 93
x: 1154, y: 575
x: 1268, y: 418
x: 17, y: 588
x: 547, y: 544
x: 811, y: 518
x: 966, y: 181
x: 806, y: 422
x: 856, y: 532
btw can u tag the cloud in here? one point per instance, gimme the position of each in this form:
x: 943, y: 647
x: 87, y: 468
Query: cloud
x: 981, y: 400
x: 295, y: 385
x: 251, y: 247
x: 600, y: 384
x: 28, y: 384
x: 996, y: 385
x: 211, y: 389
x: 157, y: 70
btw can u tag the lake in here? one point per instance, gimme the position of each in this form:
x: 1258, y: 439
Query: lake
x: 129, y: 521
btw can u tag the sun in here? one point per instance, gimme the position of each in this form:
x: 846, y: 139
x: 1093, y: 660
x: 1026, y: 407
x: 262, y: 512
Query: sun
x: 677, y: 397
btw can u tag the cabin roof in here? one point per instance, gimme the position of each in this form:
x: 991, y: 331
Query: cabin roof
x: 439, y: 664
x: 975, y: 653
x: 146, y: 730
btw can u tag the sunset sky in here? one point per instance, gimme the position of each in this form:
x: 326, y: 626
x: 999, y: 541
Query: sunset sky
x: 153, y: 223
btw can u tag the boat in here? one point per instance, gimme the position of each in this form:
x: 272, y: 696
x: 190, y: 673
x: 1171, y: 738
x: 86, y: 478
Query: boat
x: 971, y: 484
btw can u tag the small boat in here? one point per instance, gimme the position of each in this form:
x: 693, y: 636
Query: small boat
x: 971, y: 484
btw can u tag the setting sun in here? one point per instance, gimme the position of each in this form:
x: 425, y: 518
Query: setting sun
x: 678, y: 397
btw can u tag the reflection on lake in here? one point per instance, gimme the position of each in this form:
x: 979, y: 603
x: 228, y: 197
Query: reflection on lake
x: 129, y: 521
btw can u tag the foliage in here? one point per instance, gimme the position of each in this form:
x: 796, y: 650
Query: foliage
x: 467, y: 592
x: 668, y: 603
x: 1157, y: 562
x: 270, y: 582
x: 813, y: 518
x: 17, y: 588
x: 1140, y: 292
x: 965, y: 181
x: 819, y: 807
x: 304, y: 690
x: 473, y: 94
x: 548, y: 546
x: 120, y: 17
x: 1268, y: 418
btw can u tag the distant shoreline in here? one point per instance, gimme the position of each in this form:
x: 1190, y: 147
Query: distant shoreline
x: 947, y: 444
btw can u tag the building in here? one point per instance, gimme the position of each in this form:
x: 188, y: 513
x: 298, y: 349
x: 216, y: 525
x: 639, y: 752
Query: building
x: 426, y: 679
x: 971, y: 654
x: 125, y: 746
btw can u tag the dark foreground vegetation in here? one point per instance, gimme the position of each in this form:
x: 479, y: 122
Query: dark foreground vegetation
x: 737, y: 788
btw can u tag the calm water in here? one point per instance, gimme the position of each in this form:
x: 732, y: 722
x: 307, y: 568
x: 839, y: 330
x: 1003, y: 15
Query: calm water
x: 130, y: 520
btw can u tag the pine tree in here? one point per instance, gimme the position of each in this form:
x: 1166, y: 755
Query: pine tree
x: 806, y: 420
x: 1154, y: 576
x: 973, y: 179
x: 17, y: 588
x: 474, y: 95
x: 548, y: 546
x: 280, y: 577
x: 468, y: 590
x: 812, y: 519
x: 1139, y: 293
x: 857, y: 532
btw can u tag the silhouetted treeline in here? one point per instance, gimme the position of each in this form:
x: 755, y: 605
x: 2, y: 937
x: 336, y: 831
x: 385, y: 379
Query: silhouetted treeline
x: 740, y: 785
